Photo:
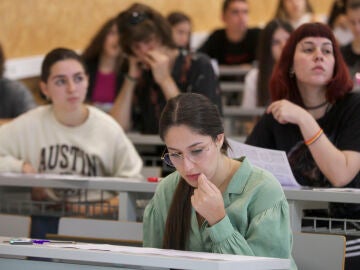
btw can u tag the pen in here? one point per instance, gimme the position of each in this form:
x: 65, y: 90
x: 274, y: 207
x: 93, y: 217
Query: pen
x: 45, y: 241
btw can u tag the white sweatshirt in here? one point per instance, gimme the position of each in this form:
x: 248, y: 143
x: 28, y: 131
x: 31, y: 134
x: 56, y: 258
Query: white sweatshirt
x: 98, y: 147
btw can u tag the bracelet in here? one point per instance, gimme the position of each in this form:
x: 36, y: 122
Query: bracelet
x: 130, y: 78
x: 315, y: 137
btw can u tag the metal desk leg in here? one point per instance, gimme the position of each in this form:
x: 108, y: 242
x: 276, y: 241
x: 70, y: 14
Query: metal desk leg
x: 127, y: 206
x: 296, y: 212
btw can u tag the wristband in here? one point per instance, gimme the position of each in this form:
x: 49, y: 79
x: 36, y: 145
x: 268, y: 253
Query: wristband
x: 130, y: 78
x: 315, y: 137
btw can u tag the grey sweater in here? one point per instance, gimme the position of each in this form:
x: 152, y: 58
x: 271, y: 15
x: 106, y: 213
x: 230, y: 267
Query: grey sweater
x: 15, y: 98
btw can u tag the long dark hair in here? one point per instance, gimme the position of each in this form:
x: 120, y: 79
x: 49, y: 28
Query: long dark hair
x: 139, y: 23
x: 95, y: 48
x: 177, y: 17
x: 2, y: 62
x: 266, y: 59
x: 199, y: 114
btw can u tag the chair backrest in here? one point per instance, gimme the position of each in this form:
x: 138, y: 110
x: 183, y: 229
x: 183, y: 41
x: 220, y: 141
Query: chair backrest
x: 14, y: 225
x: 101, y: 229
x: 319, y: 251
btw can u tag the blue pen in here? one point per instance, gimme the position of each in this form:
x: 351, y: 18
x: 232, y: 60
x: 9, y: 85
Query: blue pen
x: 40, y: 242
x: 45, y: 241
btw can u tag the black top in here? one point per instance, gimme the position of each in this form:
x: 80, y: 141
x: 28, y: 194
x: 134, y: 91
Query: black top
x: 341, y: 124
x: 352, y: 59
x: 192, y: 72
x: 218, y: 47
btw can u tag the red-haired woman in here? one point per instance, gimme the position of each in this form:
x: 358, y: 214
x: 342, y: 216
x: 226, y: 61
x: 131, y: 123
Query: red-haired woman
x: 313, y: 116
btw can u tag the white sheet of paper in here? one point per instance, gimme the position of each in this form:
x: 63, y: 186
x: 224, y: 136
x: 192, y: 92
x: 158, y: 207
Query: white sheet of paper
x: 274, y: 161
x: 155, y: 251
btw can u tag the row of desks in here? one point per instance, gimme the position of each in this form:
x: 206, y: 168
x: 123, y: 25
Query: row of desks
x: 129, y: 190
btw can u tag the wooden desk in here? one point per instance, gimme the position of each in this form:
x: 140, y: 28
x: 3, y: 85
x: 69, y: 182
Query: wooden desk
x: 300, y: 198
x: 118, y: 257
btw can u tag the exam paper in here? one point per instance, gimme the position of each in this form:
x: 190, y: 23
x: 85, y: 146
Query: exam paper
x: 274, y: 161
x: 156, y: 251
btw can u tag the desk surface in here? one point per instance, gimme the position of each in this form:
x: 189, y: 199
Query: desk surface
x: 74, y: 182
x: 134, y: 256
x: 236, y: 111
x: 309, y: 194
x: 144, y: 139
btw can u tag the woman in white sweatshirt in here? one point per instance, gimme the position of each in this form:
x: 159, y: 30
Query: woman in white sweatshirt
x: 66, y: 136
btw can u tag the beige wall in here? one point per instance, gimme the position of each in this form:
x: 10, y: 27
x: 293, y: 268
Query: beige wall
x: 31, y: 27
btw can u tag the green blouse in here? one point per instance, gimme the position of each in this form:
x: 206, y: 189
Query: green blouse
x: 257, y: 221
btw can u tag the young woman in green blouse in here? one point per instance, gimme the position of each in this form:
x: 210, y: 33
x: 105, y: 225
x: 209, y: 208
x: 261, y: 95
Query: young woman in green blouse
x: 213, y: 203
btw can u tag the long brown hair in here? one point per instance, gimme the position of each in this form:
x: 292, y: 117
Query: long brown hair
x: 199, y: 114
x: 95, y: 48
x: 2, y: 62
x: 266, y: 59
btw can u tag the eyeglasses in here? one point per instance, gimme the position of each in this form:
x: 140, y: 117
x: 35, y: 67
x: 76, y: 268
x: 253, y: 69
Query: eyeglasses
x: 195, y: 156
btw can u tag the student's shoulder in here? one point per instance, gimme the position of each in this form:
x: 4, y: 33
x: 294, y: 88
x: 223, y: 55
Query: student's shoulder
x: 168, y: 185
x: 217, y: 34
x: 198, y: 58
x: 253, y: 33
x: 265, y: 187
x: 349, y: 101
x: 12, y: 86
x: 254, y: 30
x: 34, y: 117
x: 102, y: 119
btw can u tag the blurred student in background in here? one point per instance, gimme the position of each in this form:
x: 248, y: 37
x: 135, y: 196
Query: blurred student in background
x: 15, y: 98
x: 158, y: 70
x: 66, y: 137
x: 339, y: 22
x: 351, y: 51
x: 181, y: 29
x: 296, y: 12
x: 272, y: 40
x: 236, y: 43
x: 313, y: 116
x: 103, y: 59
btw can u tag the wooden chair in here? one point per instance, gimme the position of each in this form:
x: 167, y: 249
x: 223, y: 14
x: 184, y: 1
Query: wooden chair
x: 14, y: 225
x: 319, y: 251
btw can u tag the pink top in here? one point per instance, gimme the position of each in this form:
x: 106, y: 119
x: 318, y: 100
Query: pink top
x: 104, y: 88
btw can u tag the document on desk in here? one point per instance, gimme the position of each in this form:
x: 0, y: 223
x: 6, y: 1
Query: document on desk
x: 274, y: 161
x: 154, y: 251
